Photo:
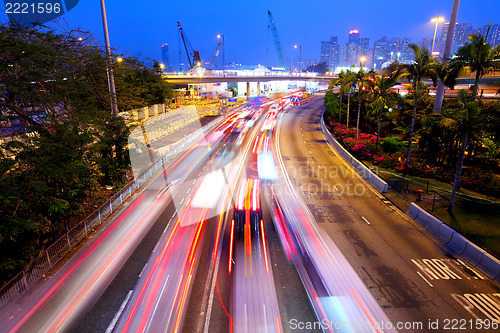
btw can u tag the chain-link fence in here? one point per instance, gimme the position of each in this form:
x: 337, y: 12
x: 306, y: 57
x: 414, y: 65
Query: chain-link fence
x: 429, y: 195
x: 14, y: 289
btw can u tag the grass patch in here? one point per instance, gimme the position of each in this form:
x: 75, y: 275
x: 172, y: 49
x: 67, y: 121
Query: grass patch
x: 479, y: 224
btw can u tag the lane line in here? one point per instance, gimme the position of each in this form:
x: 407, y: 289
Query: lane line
x: 365, y: 219
x: 425, y: 279
x: 118, y: 314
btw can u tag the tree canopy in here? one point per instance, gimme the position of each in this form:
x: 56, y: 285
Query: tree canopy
x: 54, y: 85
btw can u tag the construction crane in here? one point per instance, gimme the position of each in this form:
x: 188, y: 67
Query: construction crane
x: 216, y: 54
x: 196, y: 54
x: 276, y: 38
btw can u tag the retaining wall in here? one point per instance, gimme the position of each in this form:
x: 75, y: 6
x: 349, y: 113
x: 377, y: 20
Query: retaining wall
x: 457, y: 244
x: 364, y: 172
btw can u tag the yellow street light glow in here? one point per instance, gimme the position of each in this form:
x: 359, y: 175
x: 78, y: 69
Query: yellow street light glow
x: 437, y: 19
x: 162, y: 66
x: 295, y: 46
x: 119, y: 59
x: 218, y: 36
x: 362, y: 59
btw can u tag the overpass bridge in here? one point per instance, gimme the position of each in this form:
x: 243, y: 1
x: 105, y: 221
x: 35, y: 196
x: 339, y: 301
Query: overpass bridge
x: 250, y: 83
x: 258, y: 77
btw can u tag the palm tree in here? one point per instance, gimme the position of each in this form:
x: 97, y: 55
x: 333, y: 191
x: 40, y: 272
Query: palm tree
x: 349, y: 82
x: 422, y: 66
x: 383, y: 95
x: 466, y: 119
x: 362, y: 80
x: 340, y: 81
x: 479, y: 57
x: 476, y: 57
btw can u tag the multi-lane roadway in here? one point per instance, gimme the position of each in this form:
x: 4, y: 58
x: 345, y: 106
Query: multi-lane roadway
x: 259, y: 227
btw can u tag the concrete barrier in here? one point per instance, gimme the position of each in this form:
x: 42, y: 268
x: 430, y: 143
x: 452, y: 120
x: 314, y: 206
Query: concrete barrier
x: 489, y: 265
x: 444, y: 233
x: 363, y: 171
x: 457, y: 244
x: 472, y: 253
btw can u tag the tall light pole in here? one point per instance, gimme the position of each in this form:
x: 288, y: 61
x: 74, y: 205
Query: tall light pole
x: 438, y: 101
x: 435, y: 20
x: 300, y: 54
x: 362, y: 61
x: 223, y: 56
x: 111, y: 78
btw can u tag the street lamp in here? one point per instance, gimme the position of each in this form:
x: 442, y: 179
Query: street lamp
x: 111, y: 79
x: 223, y: 55
x: 436, y: 20
x: 300, y: 54
x: 362, y: 61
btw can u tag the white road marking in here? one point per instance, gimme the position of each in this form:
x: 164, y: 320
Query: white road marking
x: 424, y: 279
x: 157, y: 302
x: 335, y: 187
x: 118, y: 314
x: 310, y: 152
x: 479, y: 275
x: 142, y: 271
x: 365, y: 219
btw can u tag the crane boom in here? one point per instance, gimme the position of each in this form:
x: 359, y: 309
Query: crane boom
x: 184, y: 41
x: 216, y: 54
x: 277, y: 42
x: 196, y: 55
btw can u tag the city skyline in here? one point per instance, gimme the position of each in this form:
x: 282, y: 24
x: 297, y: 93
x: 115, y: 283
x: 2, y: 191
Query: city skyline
x: 396, y: 48
x: 142, y: 29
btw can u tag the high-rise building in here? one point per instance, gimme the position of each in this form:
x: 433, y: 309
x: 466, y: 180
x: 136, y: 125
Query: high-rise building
x: 406, y: 53
x: 330, y: 53
x: 462, y: 31
x: 344, y: 55
x: 380, y: 52
x: 494, y: 35
x: 353, y: 37
x: 364, y: 43
x: 165, y: 57
x: 325, y: 52
x: 394, y: 49
x: 426, y: 43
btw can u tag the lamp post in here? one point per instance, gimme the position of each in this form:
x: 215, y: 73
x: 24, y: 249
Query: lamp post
x: 223, y: 55
x: 435, y: 20
x: 438, y: 101
x: 300, y: 54
x: 111, y: 79
x: 362, y: 61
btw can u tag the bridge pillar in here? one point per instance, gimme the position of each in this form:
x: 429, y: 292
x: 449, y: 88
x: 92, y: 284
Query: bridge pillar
x: 248, y: 89
x: 258, y: 88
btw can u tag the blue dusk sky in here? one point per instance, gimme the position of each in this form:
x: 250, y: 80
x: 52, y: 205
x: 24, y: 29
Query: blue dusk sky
x: 141, y: 27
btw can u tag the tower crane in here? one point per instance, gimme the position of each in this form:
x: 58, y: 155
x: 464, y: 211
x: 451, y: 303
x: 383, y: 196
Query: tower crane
x: 277, y: 41
x: 189, y: 49
x: 216, y: 54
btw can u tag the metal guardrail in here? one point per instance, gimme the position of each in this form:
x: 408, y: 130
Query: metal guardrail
x: 16, y: 287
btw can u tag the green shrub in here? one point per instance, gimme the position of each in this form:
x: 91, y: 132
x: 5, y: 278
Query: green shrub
x: 392, y: 144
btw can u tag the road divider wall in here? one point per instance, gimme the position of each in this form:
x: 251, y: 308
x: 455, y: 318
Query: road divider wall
x: 367, y: 174
x: 457, y: 244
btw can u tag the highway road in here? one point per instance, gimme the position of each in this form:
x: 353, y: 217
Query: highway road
x: 410, y: 275
x: 258, y: 227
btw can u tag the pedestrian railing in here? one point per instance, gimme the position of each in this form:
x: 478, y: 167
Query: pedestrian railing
x: 15, y: 288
